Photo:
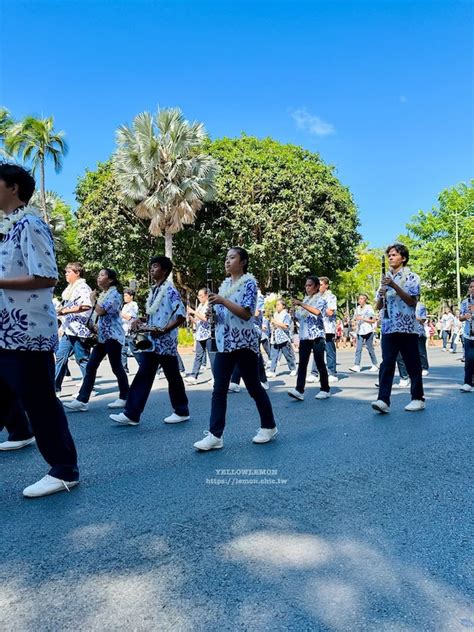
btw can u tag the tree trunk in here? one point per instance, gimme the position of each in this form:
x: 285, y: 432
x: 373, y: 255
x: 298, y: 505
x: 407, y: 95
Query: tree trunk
x: 43, y: 192
x: 169, y: 245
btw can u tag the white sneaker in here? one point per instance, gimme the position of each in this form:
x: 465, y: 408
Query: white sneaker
x: 311, y: 379
x: 404, y: 383
x: 16, y: 445
x: 123, y: 420
x: 425, y: 372
x: 183, y: 373
x: 451, y: 351
x: 322, y: 395
x: 296, y: 394
x: 293, y: 373
x: 118, y: 403
x: 48, y: 485
x: 466, y: 388
x: 264, y: 435
x: 271, y: 374
x: 265, y: 385
x: 355, y: 368
x: 268, y: 364
x: 175, y: 419
x: 76, y: 406
x: 380, y: 406
x: 210, y: 442
x: 211, y: 381
x: 234, y: 388
x: 443, y: 350
x: 374, y: 369
x: 415, y: 404
x: 333, y: 379
x: 190, y: 379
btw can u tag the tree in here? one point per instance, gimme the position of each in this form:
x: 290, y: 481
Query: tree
x: 161, y: 173
x: 432, y: 241
x: 36, y: 140
x: 364, y: 278
x: 6, y: 123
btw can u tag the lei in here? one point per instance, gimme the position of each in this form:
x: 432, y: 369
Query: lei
x: 152, y: 307
x: 104, y: 295
x: 68, y: 292
x: 228, y: 288
x: 8, y: 221
x: 308, y: 300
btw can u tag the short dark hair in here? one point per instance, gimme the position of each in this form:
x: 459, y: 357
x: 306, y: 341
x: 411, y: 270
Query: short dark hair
x: 129, y: 291
x: 164, y: 262
x: 314, y: 279
x: 14, y: 174
x: 243, y: 254
x: 401, y: 249
x: 77, y: 267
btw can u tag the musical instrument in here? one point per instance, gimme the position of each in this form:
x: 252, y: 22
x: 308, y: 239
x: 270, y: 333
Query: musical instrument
x: 210, y: 314
x: 141, y: 338
x: 384, y: 301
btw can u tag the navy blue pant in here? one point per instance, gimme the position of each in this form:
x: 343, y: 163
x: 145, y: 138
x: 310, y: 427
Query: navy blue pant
x: 143, y: 382
x: 112, y: 349
x: 469, y: 361
x: 407, y: 346
x: 203, y: 347
x: 247, y: 362
x: 29, y: 400
x: 68, y: 345
x: 317, y: 346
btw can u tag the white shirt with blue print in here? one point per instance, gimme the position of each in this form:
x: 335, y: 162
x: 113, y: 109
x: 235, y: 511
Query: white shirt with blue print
x: 171, y: 306
x: 331, y: 303
x: 468, y: 325
x: 281, y: 336
x: 203, y: 328
x: 232, y: 332
x: 397, y: 316
x: 75, y: 324
x: 420, y: 312
x: 28, y: 319
x: 311, y: 326
x: 109, y: 326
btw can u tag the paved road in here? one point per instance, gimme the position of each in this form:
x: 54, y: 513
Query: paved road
x: 366, y: 523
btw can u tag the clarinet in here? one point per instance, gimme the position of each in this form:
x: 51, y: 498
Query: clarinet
x: 384, y: 300
x: 211, y: 317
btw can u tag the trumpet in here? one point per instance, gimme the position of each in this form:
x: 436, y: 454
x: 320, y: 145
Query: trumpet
x: 141, y: 337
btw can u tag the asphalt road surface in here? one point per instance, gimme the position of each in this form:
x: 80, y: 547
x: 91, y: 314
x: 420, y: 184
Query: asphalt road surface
x: 348, y: 521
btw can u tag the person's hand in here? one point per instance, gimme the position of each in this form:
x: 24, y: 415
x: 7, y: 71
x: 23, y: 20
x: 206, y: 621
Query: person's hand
x: 158, y: 332
x: 382, y: 291
x: 189, y: 310
x: 387, y: 281
x: 296, y: 302
x: 93, y: 295
x: 215, y: 299
x: 358, y: 317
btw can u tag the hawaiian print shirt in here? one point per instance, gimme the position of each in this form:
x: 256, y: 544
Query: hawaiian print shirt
x: 171, y: 301
x: 232, y: 332
x: 420, y: 312
x: 281, y: 336
x: 109, y: 326
x: 366, y: 311
x: 331, y: 303
x: 28, y: 319
x: 75, y: 324
x: 203, y: 328
x: 468, y: 325
x: 312, y: 326
x: 129, y: 309
x: 397, y: 316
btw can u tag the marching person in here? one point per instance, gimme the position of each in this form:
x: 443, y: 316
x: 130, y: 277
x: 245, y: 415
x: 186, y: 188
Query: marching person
x: 73, y: 313
x: 456, y: 334
x: 128, y: 314
x: 202, y: 335
x: 329, y: 327
x: 397, y: 298
x: 238, y: 342
x: 466, y: 316
x: 29, y: 336
x: 281, y: 339
x: 364, y: 319
x: 447, y: 323
x: 110, y: 340
x: 165, y: 312
x: 310, y: 314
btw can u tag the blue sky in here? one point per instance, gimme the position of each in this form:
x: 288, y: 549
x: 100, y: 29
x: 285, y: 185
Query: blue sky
x: 382, y: 90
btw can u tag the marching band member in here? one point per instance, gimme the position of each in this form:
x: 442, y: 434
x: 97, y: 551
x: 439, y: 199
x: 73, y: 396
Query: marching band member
x: 165, y: 312
x: 467, y: 317
x: 365, y: 319
x: 110, y: 336
x: 238, y: 344
x: 398, y: 295
x: 29, y: 336
x: 202, y: 335
x: 310, y: 314
x: 281, y: 339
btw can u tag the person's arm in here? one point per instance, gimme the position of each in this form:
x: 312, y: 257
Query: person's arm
x: 241, y: 312
x: 30, y: 282
x: 409, y: 299
x: 74, y: 309
x: 308, y: 308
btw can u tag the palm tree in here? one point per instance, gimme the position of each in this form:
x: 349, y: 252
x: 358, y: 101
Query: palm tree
x: 36, y: 140
x: 161, y: 172
x: 6, y: 123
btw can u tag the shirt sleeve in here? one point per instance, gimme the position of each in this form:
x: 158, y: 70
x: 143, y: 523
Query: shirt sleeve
x: 249, y: 299
x: 113, y: 304
x: 463, y: 311
x: 176, y: 303
x: 412, y: 285
x: 332, y: 302
x: 37, y: 247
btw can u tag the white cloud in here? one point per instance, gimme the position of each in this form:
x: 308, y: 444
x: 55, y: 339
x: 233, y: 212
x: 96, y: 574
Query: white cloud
x: 312, y: 124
